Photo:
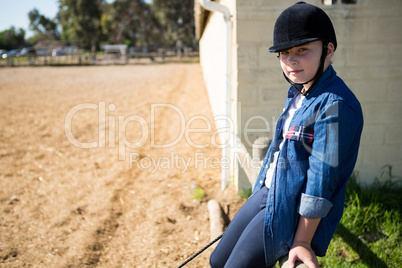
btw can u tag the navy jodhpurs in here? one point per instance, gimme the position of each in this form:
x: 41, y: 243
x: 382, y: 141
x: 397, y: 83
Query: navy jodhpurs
x: 242, y: 244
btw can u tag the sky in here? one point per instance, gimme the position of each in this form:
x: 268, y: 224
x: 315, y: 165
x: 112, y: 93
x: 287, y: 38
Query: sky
x: 15, y: 12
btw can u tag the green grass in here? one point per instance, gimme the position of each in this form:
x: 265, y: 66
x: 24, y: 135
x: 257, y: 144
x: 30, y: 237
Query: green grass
x: 245, y: 194
x: 369, y: 234
x: 198, y: 193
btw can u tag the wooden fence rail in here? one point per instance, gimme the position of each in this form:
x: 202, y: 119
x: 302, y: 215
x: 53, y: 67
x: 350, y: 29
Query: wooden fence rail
x: 99, y: 59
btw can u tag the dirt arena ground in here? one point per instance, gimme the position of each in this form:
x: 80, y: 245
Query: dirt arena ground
x: 99, y: 166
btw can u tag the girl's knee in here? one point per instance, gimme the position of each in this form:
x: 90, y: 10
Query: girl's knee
x: 215, y: 260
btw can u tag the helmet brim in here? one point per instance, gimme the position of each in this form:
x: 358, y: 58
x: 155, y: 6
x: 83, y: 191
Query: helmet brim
x: 288, y: 45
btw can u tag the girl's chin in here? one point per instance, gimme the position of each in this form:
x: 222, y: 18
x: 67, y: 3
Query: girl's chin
x: 297, y: 79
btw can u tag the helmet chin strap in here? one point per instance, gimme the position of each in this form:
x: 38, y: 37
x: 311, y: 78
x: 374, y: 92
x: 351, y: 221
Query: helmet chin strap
x: 320, y: 70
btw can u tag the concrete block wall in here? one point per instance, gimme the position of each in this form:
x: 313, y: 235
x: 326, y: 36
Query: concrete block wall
x: 369, y: 51
x: 367, y: 59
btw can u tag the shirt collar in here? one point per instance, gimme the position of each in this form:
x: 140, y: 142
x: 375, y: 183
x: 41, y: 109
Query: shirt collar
x: 325, y: 79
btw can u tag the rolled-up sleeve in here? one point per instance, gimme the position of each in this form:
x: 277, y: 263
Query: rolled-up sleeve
x: 313, y: 207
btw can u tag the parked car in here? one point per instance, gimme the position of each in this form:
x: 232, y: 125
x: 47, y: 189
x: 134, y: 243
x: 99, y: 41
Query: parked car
x: 11, y: 53
x: 2, y: 52
x: 71, y: 50
x: 27, y: 52
x: 42, y: 52
x: 58, y: 52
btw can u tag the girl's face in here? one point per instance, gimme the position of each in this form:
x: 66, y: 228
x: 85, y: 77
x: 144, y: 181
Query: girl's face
x: 300, y: 64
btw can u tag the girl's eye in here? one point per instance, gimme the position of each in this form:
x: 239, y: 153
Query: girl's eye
x: 302, y: 49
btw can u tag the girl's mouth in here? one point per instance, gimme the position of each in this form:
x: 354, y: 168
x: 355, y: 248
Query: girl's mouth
x: 294, y: 72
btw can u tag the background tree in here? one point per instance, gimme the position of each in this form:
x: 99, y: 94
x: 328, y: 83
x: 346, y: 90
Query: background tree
x: 43, y: 27
x: 80, y: 20
x: 107, y: 22
x: 177, y: 20
x: 88, y: 23
x: 131, y: 22
x: 12, y: 38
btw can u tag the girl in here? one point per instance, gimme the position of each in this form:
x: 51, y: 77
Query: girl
x: 298, y: 198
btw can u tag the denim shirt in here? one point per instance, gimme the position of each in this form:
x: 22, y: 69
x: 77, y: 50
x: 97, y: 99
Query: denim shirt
x: 314, y: 165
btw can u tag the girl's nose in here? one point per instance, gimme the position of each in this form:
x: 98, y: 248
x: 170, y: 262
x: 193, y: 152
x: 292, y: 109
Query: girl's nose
x: 292, y: 58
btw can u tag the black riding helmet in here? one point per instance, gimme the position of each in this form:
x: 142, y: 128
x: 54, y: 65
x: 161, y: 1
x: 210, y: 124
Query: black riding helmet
x: 300, y: 24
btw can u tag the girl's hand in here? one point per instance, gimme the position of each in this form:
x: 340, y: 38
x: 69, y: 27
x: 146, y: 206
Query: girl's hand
x: 302, y: 251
